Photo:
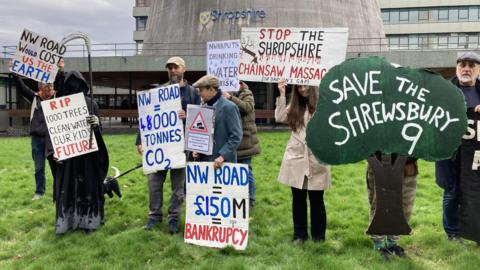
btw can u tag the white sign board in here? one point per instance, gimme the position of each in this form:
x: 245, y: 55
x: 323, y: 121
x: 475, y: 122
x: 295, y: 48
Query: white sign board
x: 67, y: 126
x: 37, y: 57
x: 161, y: 130
x: 222, y: 61
x: 217, y: 205
x: 199, y: 129
x: 298, y: 55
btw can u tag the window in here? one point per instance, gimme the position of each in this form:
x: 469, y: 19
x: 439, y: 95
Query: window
x: 423, y: 14
x: 432, y: 41
x: 433, y: 15
x: 404, y: 42
x: 386, y: 17
x: 413, y: 16
x: 473, y: 40
x: 394, y: 14
x: 413, y: 42
x: 142, y: 3
x: 463, y: 14
x: 404, y: 16
x: 139, y: 47
x: 393, y: 42
x: 473, y: 14
x: 442, y: 41
x: 453, y: 41
x: 443, y: 15
x: 453, y: 15
x: 462, y: 41
x: 141, y: 23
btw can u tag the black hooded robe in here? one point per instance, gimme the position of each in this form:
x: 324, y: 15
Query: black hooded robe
x: 78, y: 182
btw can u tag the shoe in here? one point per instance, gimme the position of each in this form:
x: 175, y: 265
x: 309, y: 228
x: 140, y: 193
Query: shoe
x: 298, y: 241
x: 318, y: 239
x: 454, y: 238
x: 173, y: 227
x: 385, y: 253
x: 397, y: 250
x: 37, y: 197
x: 151, y: 222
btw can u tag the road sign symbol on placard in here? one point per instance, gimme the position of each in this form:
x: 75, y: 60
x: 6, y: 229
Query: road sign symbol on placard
x: 198, y: 124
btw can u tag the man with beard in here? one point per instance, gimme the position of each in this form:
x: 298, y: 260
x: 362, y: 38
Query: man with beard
x: 78, y: 182
x: 176, y: 69
x: 457, y: 176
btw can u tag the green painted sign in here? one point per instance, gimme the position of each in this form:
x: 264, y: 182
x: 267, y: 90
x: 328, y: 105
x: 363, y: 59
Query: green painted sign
x: 367, y: 105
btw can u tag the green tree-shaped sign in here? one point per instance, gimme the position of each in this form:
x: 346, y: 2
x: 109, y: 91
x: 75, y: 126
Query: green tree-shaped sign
x: 367, y: 105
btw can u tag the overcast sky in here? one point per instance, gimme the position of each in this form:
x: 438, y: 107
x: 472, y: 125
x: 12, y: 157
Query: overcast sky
x: 105, y: 21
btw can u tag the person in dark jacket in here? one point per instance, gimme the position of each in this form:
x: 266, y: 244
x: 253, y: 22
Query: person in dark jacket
x: 447, y: 172
x: 78, y: 182
x: 38, y: 127
x: 176, y: 69
x: 249, y: 146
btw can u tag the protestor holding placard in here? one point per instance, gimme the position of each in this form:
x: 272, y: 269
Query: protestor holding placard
x: 38, y: 127
x: 300, y: 169
x: 78, y: 182
x: 250, y: 145
x: 457, y: 175
x: 228, y: 129
x: 176, y: 69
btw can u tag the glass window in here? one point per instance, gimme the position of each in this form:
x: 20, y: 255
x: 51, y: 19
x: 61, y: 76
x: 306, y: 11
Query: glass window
x: 473, y: 40
x: 432, y: 41
x: 453, y: 15
x: 413, y: 16
x: 393, y: 42
x: 394, y: 14
x: 139, y: 47
x: 386, y: 17
x: 423, y: 14
x: 404, y: 42
x: 443, y: 14
x: 453, y: 41
x: 141, y: 23
x: 463, y: 14
x: 433, y: 15
x: 413, y: 42
x: 473, y: 14
x: 442, y: 41
x: 404, y: 16
x: 462, y: 41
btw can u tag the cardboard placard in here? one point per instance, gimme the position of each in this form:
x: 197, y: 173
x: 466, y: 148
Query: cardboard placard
x: 200, y: 129
x: 222, y: 61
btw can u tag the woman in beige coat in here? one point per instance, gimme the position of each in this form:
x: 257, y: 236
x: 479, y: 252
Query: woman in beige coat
x: 300, y: 170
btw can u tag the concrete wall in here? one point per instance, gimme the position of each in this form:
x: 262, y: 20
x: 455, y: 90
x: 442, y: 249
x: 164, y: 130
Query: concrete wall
x: 189, y: 23
x: 422, y: 28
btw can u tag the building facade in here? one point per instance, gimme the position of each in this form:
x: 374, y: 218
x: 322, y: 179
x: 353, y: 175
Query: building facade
x: 431, y: 24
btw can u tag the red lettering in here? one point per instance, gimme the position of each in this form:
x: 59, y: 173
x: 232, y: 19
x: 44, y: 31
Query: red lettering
x: 233, y: 237
x: 262, y: 33
x: 244, y: 236
x: 85, y: 144
x: 215, y: 234
x: 188, y: 226
x: 287, y: 33
x: 58, y: 152
x: 53, y: 105
x: 271, y: 33
x: 67, y: 101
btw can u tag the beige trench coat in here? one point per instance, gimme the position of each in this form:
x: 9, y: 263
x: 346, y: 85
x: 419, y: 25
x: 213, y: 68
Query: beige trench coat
x: 300, y: 169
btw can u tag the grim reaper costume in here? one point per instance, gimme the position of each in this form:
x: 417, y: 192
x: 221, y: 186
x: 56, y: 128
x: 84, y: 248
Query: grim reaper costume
x: 78, y: 183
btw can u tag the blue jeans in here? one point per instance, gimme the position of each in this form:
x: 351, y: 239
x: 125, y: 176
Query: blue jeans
x: 450, y: 212
x: 38, y: 156
x: 251, y: 180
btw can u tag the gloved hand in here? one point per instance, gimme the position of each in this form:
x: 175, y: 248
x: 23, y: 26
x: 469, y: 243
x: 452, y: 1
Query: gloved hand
x: 93, y: 120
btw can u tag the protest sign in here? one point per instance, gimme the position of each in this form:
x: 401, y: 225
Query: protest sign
x: 161, y: 130
x: 367, y: 105
x: 67, y: 126
x: 37, y: 57
x: 217, y: 206
x: 222, y: 61
x: 199, y: 129
x: 298, y: 55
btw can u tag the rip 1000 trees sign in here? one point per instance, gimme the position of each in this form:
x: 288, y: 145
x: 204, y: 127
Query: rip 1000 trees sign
x: 367, y: 105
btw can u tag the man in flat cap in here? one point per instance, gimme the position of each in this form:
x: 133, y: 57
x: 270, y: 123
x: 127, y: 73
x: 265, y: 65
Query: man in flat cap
x: 228, y: 126
x: 458, y: 175
x: 176, y: 69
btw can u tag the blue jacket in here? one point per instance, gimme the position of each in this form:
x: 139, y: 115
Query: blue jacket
x: 447, y: 171
x: 227, y: 131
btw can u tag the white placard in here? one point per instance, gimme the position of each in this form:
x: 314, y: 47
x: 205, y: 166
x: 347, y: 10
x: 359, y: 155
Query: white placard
x: 298, y: 55
x: 67, y: 126
x: 222, y: 61
x: 161, y: 130
x: 37, y: 57
x: 217, y: 205
x: 199, y: 129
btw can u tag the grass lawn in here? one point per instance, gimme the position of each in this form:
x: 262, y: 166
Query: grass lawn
x: 28, y: 241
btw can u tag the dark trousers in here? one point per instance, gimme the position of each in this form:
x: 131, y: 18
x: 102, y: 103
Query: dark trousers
x: 38, y: 156
x: 155, y: 191
x: 451, y: 212
x: 318, y: 214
